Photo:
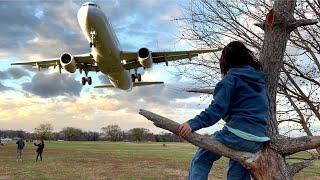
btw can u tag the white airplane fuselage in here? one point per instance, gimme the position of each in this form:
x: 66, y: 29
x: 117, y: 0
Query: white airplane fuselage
x: 106, y: 49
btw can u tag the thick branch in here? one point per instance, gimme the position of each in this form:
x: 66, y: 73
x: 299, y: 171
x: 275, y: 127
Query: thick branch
x: 200, y: 140
x: 285, y: 145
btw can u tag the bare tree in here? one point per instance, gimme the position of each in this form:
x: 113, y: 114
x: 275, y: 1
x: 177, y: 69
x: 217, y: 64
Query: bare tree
x: 213, y: 23
x: 277, y: 27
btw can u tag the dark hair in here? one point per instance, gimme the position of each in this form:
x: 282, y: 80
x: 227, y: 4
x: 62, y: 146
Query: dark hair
x: 236, y: 54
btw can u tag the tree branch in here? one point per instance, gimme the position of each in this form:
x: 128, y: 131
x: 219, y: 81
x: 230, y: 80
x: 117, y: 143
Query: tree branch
x: 296, y: 167
x: 200, y: 140
x: 286, y: 145
x: 204, y: 91
x: 302, y: 22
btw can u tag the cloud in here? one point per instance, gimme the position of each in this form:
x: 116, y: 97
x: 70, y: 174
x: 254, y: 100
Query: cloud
x: 52, y: 85
x: 4, y: 88
x: 104, y: 79
x: 13, y: 73
x: 4, y: 75
x: 17, y: 73
x: 46, y: 29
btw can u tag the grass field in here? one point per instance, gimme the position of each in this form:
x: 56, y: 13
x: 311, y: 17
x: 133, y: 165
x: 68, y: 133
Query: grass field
x: 108, y: 160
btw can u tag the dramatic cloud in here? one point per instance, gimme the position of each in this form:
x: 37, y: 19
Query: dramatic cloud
x: 52, y: 85
x: 17, y: 73
x: 13, y: 73
x: 50, y: 28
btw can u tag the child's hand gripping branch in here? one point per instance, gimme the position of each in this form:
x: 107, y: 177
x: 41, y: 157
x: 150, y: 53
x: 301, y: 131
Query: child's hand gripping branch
x: 184, y: 130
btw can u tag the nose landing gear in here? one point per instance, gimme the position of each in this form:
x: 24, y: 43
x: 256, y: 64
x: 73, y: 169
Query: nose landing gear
x: 93, y: 38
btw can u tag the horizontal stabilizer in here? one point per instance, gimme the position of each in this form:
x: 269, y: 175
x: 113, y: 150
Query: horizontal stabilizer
x: 134, y: 84
x: 104, y: 86
x: 145, y: 83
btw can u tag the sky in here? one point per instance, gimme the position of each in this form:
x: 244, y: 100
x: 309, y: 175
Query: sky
x: 32, y: 30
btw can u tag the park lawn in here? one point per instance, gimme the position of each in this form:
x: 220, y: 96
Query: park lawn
x: 109, y: 160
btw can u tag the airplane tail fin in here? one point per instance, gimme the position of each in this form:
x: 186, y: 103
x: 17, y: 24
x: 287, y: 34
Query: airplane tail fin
x: 134, y: 84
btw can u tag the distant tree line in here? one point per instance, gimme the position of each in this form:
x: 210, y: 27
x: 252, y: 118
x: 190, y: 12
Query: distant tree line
x: 109, y: 133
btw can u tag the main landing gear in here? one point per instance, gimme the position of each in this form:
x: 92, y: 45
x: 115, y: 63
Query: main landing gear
x: 135, y: 76
x: 86, y: 79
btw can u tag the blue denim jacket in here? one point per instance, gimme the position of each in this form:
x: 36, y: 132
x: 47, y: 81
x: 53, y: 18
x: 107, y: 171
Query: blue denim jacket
x: 239, y: 99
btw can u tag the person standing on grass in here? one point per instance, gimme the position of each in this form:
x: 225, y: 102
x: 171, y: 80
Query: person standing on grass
x: 20, y: 144
x: 40, y: 149
x: 240, y: 99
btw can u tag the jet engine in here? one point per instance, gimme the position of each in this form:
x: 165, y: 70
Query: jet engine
x: 145, y: 57
x: 68, y: 63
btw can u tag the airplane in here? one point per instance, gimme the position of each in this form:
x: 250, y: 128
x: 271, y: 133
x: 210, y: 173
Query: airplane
x: 107, y: 55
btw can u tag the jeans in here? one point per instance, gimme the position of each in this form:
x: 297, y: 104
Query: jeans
x: 203, y: 159
x: 19, y: 154
x: 39, y: 154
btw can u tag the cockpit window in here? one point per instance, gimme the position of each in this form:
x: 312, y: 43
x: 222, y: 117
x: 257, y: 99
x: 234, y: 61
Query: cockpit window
x: 90, y: 4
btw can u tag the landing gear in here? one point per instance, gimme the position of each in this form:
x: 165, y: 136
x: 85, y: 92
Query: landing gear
x: 139, y: 77
x: 83, y: 81
x: 89, y: 80
x: 86, y: 79
x: 93, y: 37
x: 135, y: 76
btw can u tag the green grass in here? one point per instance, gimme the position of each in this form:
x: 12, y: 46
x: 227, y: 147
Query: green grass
x: 108, y: 160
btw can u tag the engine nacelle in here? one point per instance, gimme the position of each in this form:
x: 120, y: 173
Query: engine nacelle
x: 68, y: 63
x: 145, y: 57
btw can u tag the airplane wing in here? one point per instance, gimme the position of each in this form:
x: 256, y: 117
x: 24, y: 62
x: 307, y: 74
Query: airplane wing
x: 159, y: 57
x: 134, y: 84
x: 82, y: 59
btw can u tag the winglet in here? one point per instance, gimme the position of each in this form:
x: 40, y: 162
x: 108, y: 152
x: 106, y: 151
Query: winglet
x: 134, y: 84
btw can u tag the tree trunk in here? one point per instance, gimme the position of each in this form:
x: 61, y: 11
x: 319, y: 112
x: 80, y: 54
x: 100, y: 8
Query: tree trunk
x: 277, y: 32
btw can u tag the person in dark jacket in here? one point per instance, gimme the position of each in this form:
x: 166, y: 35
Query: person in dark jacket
x: 20, y: 144
x: 240, y: 99
x: 40, y: 149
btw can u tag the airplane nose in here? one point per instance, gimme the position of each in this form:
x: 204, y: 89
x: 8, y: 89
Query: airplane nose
x: 83, y: 14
